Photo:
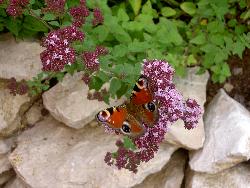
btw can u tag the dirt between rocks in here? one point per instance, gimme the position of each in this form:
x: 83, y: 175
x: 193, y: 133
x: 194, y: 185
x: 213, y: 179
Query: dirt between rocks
x: 238, y: 84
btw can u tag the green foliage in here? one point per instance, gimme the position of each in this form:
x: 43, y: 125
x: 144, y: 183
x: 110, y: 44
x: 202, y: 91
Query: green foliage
x: 185, y: 33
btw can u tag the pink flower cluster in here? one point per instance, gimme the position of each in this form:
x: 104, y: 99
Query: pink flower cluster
x: 172, y: 107
x: 98, y: 17
x: 91, y: 58
x: 55, y: 6
x: 79, y: 14
x: 15, y: 7
x: 58, y: 51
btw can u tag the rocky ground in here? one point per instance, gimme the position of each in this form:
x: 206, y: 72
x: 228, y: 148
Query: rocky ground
x: 65, y: 147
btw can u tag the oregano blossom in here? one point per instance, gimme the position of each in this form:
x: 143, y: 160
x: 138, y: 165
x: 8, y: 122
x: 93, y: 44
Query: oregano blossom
x: 172, y: 107
x: 16, y: 7
x: 58, y: 51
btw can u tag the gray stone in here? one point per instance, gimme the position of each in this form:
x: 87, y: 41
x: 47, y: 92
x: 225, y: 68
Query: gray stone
x: 19, y: 59
x: 236, y: 177
x: 11, y: 109
x: 68, y: 103
x: 171, y: 176
x: 192, y: 86
x: 53, y: 155
x: 227, y: 143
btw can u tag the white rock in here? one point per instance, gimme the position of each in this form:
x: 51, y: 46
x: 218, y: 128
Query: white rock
x: 16, y: 183
x: 33, y: 115
x: 227, y: 127
x: 52, y: 155
x: 192, y: 86
x: 10, y: 110
x: 236, y: 177
x: 6, y: 144
x: 171, y: 176
x: 19, y: 59
x: 4, y: 164
x: 68, y: 103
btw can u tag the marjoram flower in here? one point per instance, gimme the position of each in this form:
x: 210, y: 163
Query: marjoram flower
x: 172, y: 107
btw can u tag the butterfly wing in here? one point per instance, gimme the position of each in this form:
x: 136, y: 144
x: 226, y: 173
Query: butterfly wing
x: 119, y: 119
x: 141, y: 104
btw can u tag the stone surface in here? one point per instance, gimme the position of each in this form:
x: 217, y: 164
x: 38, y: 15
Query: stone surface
x: 227, y: 127
x: 6, y: 145
x: 5, y: 176
x: 4, y: 163
x: 68, y: 103
x: 19, y: 59
x: 52, y: 155
x: 33, y: 115
x: 171, y: 176
x: 16, y: 183
x: 11, y: 109
x: 192, y: 86
x: 236, y: 177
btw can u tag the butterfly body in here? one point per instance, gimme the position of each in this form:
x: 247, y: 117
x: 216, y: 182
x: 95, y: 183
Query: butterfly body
x: 128, y: 118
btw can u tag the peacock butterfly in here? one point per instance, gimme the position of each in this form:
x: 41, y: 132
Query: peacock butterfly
x: 128, y: 118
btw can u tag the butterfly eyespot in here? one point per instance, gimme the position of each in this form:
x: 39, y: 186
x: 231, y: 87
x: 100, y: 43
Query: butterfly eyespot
x: 150, y: 106
x: 126, y: 128
x: 103, y: 115
x: 142, y: 83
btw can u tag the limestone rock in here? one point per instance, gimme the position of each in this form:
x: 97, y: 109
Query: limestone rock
x: 11, y: 109
x: 52, y: 155
x: 236, y: 177
x: 227, y: 143
x: 19, y: 59
x: 33, y: 115
x: 192, y: 86
x: 6, y: 144
x: 68, y: 103
x: 171, y: 176
x: 16, y: 183
x: 4, y: 164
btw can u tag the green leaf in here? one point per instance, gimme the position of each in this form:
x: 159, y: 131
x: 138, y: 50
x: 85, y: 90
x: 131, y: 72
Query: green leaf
x: 2, y: 12
x: 191, y: 60
x: 102, y: 32
x: 54, y: 23
x: 123, y: 89
x: 245, y: 15
x: 148, y: 10
x: 239, y: 47
x: 34, y: 24
x: 136, y: 5
x: 119, y: 50
x: 95, y: 83
x: 217, y: 39
x: 232, y: 23
x: 188, y: 7
x: 168, y: 11
x: 115, y: 85
x: 128, y: 143
x: 13, y: 25
x: 122, y: 15
x: 49, y: 17
x: 199, y: 39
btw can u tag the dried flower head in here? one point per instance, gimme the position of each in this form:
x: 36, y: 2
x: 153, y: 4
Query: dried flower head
x: 20, y: 88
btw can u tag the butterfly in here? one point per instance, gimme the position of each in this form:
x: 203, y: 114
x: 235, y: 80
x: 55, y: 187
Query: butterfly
x: 128, y: 118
